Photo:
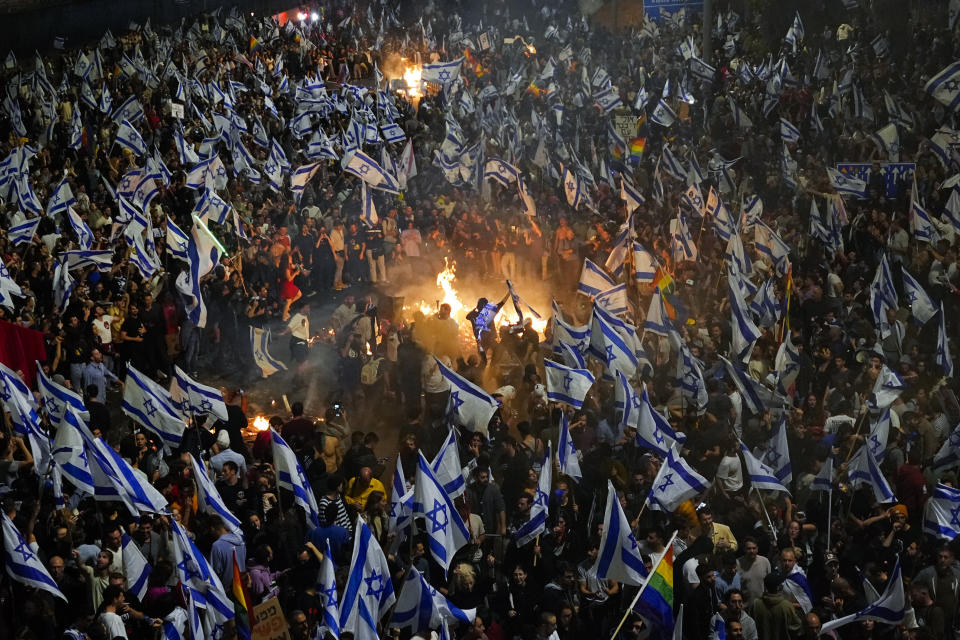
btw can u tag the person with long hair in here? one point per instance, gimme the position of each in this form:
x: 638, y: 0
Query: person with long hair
x: 288, y: 290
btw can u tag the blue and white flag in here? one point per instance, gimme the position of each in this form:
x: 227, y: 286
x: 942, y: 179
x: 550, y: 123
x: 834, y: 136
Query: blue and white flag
x: 676, y: 482
x: 631, y: 195
x: 102, y: 260
x: 921, y: 304
x: 567, y: 385
x: 367, y: 169
x: 57, y: 399
x: 260, y: 342
x: 209, y: 500
x: 401, y: 506
x: 108, y: 468
x: 446, y: 466
x: 879, y: 434
x: 797, y: 587
x: 941, y: 513
x: 84, y: 234
x: 149, y: 404
x: 770, y: 244
x: 690, y: 374
x: 886, y: 390
x: 61, y: 200
x: 777, y: 455
x: 748, y: 387
x: 69, y: 453
x: 539, y: 509
x: 573, y: 188
x: 195, y: 572
x: 657, y: 320
x: 470, y: 405
x: 22, y: 563
x: 863, y: 470
x: 943, y: 357
x: 193, y: 398
x: 178, y: 242
x: 949, y: 453
x: 564, y: 333
x: 744, y: 333
x: 23, y: 232
x: 368, y: 593
x: 644, y: 264
x: 135, y: 567
x: 653, y: 430
x: 204, y: 252
x: 327, y: 590
x: 663, y: 115
x: 290, y: 476
x: 443, y: 524
x: 823, y: 481
x: 567, y: 455
x: 441, y: 72
x: 301, y: 176
x: 369, y: 210
x: 794, y: 33
x: 684, y: 248
x: 788, y: 132
x: 846, y: 185
x: 421, y: 608
x: 129, y: 138
x: 923, y: 228
x: 945, y: 86
x: 740, y: 117
x: 613, y: 300
x: 503, y: 172
x: 762, y: 477
x: 610, y: 346
x: 593, y: 279
x: 619, y: 556
x: 889, y: 609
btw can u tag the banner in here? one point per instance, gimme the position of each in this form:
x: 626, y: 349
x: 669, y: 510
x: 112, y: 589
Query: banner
x: 894, y: 173
x: 660, y: 10
x: 268, y: 621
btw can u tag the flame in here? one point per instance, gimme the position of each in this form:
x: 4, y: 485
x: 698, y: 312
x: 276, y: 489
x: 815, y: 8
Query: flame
x: 531, y: 49
x: 445, y: 282
x: 260, y: 423
x: 412, y: 76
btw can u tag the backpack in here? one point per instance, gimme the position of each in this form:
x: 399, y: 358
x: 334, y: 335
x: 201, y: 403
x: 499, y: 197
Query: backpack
x: 370, y: 372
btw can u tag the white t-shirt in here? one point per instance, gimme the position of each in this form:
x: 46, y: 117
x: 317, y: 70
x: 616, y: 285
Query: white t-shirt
x: 113, y: 624
x: 101, y: 326
x: 300, y: 327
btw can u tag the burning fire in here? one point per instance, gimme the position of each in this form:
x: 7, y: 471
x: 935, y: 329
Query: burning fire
x: 458, y: 310
x: 260, y: 423
x: 412, y: 76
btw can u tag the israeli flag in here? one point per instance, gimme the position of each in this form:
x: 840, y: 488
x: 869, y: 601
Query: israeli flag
x: 690, y: 374
x: 567, y: 455
x: 619, y: 557
x: 290, y: 476
x: 672, y: 165
x: 109, y: 470
x: 149, y: 404
x: 863, y: 470
x: 945, y: 86
x: 566, y: 336
x: 503, y: 172
x: 740, y: 117
x: 797, y: 586
x: 889, y: 609
x: 762, y: 477
x: 567, y: 385
x: 921, y: 225
x: 446, y: 466
x: 327, y: 590
x: 135, y: 567
x: 539, y: 510
x: 401, y: 506
x: 470, y: 406
x: 684, y: 248
x: 657, y: 320
x: 23, y: 232
x: 676, y: 482
x: 823, y: 481
x: 421, y: 608
x: 943, y: 357
x: 788, y: 132
x: 748, y: 387
x: 366, y: 168
x: 61, y: 200
x: 69, y: 454
x: 22, y: 563
x: 300, y: 178
x: 209, y: 500
x: 744, y: 332
x: 886, y: 390
x: 644, y: 264
x: 195, y: 572
x: 84, y: 234
x: 193, y: 398
x: 368, y: 593
x: 178, y: 242
x: 663, y: 115
x: 941, y: 513
x: 184, y: 149
x: 129, y: 138
x: 58, y: 399
x: 608, y: 345
x: 613, y: 300
x: 369, y: 211
x: 653, y: 430
x: 260, y: 342
x: 593, y: 279
x: 777, y: 456
x: 630, y: 195
x: 772, y: 245
x: 572, y: 188
x: 879, y: 433
x: 846, y: 185
x: 442, y: 72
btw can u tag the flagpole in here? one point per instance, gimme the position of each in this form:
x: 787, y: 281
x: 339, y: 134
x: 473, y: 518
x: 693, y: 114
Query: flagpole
x: 767, y: 514
x: 642, y: 587
x: 829, y: 515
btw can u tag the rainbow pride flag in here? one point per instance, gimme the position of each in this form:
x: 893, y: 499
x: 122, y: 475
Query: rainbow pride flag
x: 254, y: 44
x: 241, y: 602
x: 636, y: 147
x: 656, y: 601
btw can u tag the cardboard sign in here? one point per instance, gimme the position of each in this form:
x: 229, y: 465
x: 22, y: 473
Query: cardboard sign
x: 175, y: 109
x: 268, y: 621
x: 484, y: 41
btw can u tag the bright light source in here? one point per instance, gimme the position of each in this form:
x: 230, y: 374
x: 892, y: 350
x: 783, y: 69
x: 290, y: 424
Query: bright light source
x: 314, y: 17
x: 301, y: 16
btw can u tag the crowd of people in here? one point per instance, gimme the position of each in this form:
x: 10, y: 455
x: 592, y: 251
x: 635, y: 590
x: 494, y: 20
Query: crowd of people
x: 175, y: 191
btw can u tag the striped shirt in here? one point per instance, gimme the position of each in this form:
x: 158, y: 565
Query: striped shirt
x: 343, y: 518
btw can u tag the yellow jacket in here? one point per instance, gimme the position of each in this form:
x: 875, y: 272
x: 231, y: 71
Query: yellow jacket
x: 722, y: 532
